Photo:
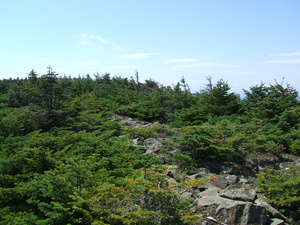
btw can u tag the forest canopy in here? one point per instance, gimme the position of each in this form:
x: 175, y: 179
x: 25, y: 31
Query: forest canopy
x: 65, y: 160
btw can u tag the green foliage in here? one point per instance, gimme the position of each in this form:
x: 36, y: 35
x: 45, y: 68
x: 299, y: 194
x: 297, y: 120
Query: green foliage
x: 194, y: 115
x: 282, y: 188
x: 14, y: 122
x: 220, y: 101
x: 268, y: 102
x: 83, y: 178
x: 219, y: 142
x: 183, y: 161
x: 157, y: 131
x: 289, y: 119
x: 63, y: 160
x: 213, y: 102
x: 146, y: 110
x: 295, y: 147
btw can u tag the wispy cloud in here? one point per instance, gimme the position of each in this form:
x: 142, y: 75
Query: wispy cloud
x: 281, y: 61
x: 190, y: 60
x: 203, y: 65
x: 286, y: 54
x: 84, y: 41
x: 89, y: 39
x: 138, y: 55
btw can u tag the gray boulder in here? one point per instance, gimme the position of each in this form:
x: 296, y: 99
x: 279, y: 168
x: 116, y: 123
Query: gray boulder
x: 240, y: 194
x: 187, y: 194
x: 220, y: 182
x: 211, y: 201
x: 238, y: 212
x: 276, y: 221
x: 274, y: 212
x: 209, y: 192
x: 232, y: 179
x: 152, y: 145
x: 217, y: 181
x: 235, y: 212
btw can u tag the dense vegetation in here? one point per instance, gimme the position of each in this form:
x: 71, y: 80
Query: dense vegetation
x: 64, y: 160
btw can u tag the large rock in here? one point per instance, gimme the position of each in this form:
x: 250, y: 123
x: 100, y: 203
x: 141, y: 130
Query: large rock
x: 187, y: 194
x: 276, y: 221
x: 246, y: 213
x: 235, y: 212
x: 209, y: 192
x: 211, y: 200
x: 241, y: 194
x: 152, y: 145
x: 217, y: 181
x: 232, y: 179
x: 220, y: 182
x: 134, y: 123
x: 274, y: 212
x: 203, y: 172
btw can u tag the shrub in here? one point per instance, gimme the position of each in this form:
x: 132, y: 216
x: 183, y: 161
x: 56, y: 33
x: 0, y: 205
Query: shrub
x: 282, y: 188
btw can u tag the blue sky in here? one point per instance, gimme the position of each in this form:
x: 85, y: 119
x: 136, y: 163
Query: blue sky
x: 242, y: 42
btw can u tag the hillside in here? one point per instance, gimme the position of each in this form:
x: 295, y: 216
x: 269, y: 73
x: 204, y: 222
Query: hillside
x: 113, y: 150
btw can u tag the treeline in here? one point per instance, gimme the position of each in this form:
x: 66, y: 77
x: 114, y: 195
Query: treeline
x: 63, y: 160
x: 48, y: 102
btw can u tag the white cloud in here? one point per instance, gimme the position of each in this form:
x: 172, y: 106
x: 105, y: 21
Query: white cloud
x: 138, y: 55
x: 89, y: 39
x: 84, y: 42
x: 181, y: 60
x: 286, y: 54
x: 281, y: 61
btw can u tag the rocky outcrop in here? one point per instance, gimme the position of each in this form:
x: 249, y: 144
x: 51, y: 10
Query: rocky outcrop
x: 235, y: 204
x: 274, y: 212
x: 132, y: 123
x: 276, y: 221
x: 228, y: 196
x: 230, y: 200
x: 152, y: 145
x: 240, y: 194
x: 239, y: 212
x: 156, y: 146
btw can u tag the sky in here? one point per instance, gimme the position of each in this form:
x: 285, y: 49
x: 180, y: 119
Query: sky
x: 244, y: 43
